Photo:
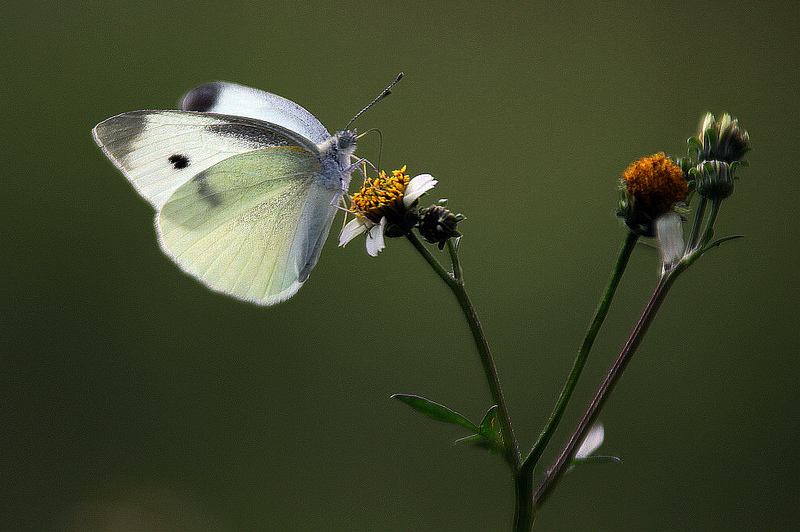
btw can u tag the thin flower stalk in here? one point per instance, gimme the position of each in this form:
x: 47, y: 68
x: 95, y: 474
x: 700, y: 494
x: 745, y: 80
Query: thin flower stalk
x: 698, y: 220
x: 580, y: 360
x: 561, y: 465
x: 455, y: 282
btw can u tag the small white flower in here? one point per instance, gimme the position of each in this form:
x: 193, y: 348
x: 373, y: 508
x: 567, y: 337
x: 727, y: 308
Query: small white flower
x: 380, y: 201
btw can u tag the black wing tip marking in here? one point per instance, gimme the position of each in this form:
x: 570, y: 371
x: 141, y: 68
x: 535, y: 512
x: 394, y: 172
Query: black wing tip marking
x: 202, y: 98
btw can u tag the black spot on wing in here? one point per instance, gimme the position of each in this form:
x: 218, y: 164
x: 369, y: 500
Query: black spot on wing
x: 253, y: 134
x: 205, y: 191
x: 179, y: 161
x: 202, y: 98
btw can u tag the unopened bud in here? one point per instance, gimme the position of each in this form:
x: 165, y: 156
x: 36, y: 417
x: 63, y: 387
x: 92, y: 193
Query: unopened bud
x: 437, y: 224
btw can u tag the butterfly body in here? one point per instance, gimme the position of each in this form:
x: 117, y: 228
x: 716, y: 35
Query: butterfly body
x: 245, y: 184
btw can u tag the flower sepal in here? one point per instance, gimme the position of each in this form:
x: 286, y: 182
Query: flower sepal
x: 637, y: 220
x: 714, y: 179
x: 396, y: 230
x: 684, y: 163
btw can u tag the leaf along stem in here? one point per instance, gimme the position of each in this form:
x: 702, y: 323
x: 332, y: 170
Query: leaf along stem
x: 455, y: 282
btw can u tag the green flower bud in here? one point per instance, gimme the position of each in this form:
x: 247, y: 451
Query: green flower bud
x: 720, y: 140
x: 714, y: 179
x: 437, y: 224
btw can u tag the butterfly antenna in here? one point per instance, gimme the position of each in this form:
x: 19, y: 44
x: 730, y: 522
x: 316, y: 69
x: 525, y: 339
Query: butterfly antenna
x: 386, y: 92
x: 380, y: 146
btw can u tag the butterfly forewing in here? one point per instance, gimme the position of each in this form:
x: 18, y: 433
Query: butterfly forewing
x: 158, y: 151
x: 251, y: 225
x: 232, y: 99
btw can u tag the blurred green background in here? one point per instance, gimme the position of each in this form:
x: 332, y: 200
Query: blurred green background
x: 133, y: 398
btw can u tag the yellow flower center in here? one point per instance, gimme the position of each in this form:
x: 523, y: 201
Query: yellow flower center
x: 656, y: 182
x: 381, y: 196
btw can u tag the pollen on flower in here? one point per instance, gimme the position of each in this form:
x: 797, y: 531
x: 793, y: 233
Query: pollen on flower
x: 381, y: 196
x: 656, y: 182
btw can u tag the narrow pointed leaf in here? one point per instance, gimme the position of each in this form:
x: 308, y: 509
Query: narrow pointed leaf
x: 436, y: 411
x: 721, y: 240
x: 482, y: 442
x: 472, y: 438
x: 592, y: 459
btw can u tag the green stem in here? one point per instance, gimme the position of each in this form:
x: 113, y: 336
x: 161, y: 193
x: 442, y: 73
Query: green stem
x: 600, y: 314
x: 455, y: 282
x: 698, y: 219
x: 604, y: 392
x: 712, y: 217
x: 523, y: 497
x: 451, y: 248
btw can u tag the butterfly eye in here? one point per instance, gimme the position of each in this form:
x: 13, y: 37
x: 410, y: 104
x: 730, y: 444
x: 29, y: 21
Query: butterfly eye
x: 345, y: 140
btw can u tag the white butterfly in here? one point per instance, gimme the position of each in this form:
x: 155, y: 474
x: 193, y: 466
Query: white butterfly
x: 245, y: 184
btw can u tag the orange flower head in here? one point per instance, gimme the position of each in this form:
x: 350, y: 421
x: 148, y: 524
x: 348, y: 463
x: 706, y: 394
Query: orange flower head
x: 656, y: 183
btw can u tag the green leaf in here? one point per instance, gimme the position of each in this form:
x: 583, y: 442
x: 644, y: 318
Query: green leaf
x: 487, y: 423
x: 479, y: 440
x: 487, y: 436
x: 719, y: 242
x: 490, y: 431
x: 591, y: 459
x: 436, y: 411
x: 476, y: 439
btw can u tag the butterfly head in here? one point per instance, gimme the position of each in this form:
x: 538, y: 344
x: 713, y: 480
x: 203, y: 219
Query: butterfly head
x: 340, y: 147
x: 346, y: 141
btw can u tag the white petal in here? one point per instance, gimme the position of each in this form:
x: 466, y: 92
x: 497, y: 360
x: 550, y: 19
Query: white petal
x: 375, y: 241
x: 418, y: 186
x: 353, y: 228
x: 591, y: 442
x: 669, y: 231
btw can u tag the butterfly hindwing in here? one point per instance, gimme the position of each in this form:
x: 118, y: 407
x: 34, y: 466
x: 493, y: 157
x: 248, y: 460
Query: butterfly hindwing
x: 251, y: 225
